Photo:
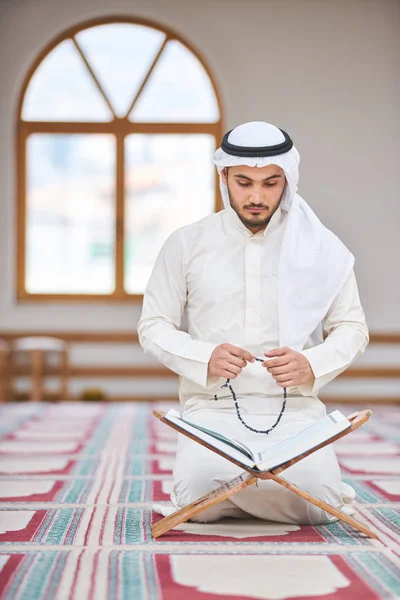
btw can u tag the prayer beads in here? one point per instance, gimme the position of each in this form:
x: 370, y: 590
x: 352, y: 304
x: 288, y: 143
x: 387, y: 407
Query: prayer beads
x: 265, y: 431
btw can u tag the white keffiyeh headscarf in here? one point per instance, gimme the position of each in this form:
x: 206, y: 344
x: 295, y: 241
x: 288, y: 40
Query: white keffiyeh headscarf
x: 313, y: 262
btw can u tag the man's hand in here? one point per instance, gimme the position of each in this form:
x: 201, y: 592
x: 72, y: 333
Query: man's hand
x: 228, y: 361
x: 288, y: 367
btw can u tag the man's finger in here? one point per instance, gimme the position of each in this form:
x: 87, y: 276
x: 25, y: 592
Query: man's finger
x: 283, y: 378
x: 277, y: 352
x: 286, y: 384
x: 236, y: 360
x: 234, y: 370
x: 276, y: 362
x: 278, y: 370
x: 241, y: 353
x: 228, y: 374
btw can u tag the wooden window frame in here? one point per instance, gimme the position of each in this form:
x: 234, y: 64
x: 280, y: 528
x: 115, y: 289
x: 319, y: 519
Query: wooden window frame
x: 120, y: 128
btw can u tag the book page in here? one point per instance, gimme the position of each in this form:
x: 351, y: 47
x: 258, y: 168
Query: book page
x: 301, y: 442
x: 230, y: 441
x: 214, y: 438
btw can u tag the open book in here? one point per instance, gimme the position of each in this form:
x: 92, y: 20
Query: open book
x: 273, y: 456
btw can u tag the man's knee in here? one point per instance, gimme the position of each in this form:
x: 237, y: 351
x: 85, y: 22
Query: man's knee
x: 320, y: 478
x: 193, y: 481
x: 318, y: 516
x: 191, y: 488
x: 214, y: 513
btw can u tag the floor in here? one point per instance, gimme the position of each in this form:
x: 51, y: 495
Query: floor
x: 77, y: 486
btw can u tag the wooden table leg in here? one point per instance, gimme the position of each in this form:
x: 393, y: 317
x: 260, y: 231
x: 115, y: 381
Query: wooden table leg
x: 214, y: 497
x: 64, y: 375
x: 37, y: 376
x: 329, y: 509
x: 3, y: 375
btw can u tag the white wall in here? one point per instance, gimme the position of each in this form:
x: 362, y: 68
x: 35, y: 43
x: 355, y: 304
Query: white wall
x: 326, y: 71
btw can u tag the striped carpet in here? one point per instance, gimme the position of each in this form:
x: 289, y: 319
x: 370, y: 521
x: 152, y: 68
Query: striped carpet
x: 77, y: 486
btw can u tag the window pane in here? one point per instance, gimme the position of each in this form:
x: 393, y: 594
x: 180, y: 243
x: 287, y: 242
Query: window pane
x: 121, y: 56
x: 179, y: 90
x: 70, y: 214
x: 62, y: 89
x: 169, y: 183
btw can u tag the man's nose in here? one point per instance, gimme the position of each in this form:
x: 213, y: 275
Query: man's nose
x: 257, y: 196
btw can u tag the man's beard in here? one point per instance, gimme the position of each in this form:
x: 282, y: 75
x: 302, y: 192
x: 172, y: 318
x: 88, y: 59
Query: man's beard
x: 255, y: 220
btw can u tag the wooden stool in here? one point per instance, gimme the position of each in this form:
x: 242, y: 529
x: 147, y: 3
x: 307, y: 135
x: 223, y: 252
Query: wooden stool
x: 37, y: 351
x: 4, y: 380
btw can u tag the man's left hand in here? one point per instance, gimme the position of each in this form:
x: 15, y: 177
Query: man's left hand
x: 288, y: 367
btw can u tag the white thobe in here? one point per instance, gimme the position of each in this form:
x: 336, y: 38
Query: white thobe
x: 225, y: 277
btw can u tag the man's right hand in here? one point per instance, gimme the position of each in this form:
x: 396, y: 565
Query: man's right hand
x: 228, y: 361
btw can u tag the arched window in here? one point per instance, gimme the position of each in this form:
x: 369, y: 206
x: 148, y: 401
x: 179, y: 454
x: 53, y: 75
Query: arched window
x: 116, y: 127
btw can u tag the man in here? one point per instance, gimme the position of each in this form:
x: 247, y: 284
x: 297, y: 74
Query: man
x: 262, y: 278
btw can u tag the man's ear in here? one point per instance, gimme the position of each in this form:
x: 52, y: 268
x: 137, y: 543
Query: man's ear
x: 224, y: 174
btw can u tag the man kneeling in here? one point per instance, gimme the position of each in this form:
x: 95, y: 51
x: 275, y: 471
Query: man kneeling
x: 261, y: 281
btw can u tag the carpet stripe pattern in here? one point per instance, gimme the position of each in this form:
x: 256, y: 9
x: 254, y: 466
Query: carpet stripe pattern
x: 78, y: 483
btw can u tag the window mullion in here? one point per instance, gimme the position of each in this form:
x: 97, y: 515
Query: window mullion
x: 93, y: 76
x: 21, y: 215
x: 120, y: 213
x: 147, y: 77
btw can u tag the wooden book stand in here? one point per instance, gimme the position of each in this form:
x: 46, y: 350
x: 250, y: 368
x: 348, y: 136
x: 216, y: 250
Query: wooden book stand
x: 250, y: 476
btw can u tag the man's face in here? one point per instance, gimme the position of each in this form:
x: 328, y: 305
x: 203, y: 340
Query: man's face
x: 255, y: 193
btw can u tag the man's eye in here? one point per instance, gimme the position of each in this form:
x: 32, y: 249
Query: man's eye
x: 244, y: 184
x: 270, y: 184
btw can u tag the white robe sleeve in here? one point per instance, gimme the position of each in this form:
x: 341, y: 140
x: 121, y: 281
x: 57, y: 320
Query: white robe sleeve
x: 163, y: 305
x: 347, y: 338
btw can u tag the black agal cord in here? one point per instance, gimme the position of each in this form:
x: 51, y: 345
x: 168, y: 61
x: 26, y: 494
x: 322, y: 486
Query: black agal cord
x: 265, y: 431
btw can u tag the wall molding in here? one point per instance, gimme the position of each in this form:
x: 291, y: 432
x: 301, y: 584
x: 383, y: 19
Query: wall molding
x: 122, y: 337
x: 156, y: 371
x: 328, y: 399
